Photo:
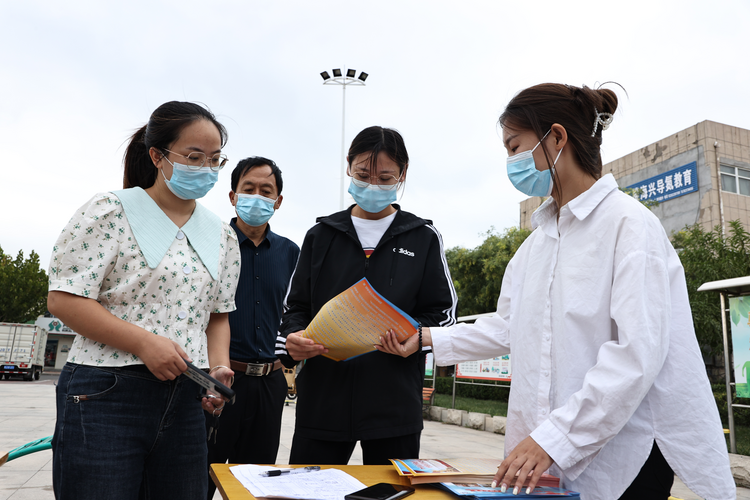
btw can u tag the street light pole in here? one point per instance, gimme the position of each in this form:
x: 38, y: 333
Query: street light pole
x: 339, y: 79
x: 343, y: 147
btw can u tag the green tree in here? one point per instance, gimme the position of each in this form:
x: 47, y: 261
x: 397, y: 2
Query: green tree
x: 478, y: 273
x: 711, y: 256
x: 636, y: 193
x: 23, y: 288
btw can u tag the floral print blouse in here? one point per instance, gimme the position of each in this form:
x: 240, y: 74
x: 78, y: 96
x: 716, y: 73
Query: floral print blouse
x: 97, y: 256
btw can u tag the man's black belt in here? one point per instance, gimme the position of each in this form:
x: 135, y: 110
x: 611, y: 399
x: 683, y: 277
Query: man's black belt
x: 255, y: 369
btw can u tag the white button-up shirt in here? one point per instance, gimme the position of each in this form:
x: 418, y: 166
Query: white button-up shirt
x: 594, y: 309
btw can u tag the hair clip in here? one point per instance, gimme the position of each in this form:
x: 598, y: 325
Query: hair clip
x: 601, y: 118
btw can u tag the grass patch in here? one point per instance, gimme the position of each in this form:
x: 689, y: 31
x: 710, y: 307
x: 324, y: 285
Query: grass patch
x: 488, y: 406
x: 742, y: 438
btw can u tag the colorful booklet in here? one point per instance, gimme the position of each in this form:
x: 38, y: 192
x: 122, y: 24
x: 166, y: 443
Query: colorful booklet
x: 351, y: 323
x: 421, y: 471
x: 456, y: 470
x: 481, y: 491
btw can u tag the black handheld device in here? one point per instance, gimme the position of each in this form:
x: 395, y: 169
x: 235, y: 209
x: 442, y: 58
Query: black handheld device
x: 208, y: 382
x: 381, y: 491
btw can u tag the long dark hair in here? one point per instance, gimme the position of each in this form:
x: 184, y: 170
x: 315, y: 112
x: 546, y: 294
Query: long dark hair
x: 376, y: 139
x: 537, y: 108
x: 161, y: 131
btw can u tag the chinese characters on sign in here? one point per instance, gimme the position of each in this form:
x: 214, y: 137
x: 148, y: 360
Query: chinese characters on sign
x: 490, y: 369
x: 671, y: 184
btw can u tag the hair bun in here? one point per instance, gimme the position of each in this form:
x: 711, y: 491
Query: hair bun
x: 583, y: 111
x: 607, y: 99
x: 580, y: 96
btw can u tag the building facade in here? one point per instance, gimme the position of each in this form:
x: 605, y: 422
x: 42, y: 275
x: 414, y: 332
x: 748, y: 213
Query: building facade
x: 59, y: 341
x: 697, y: 175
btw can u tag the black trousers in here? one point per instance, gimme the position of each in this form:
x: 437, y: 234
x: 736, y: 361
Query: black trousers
x: 374, y: 451
x: 654, y: 481
x: 249, y: 430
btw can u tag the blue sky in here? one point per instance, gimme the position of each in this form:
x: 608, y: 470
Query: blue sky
x: 78, y: 77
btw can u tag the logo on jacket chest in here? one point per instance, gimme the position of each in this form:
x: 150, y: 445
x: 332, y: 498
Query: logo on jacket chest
x: 404, y: 251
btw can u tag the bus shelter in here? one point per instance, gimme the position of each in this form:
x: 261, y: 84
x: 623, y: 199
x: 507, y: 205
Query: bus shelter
x: 734, y: 299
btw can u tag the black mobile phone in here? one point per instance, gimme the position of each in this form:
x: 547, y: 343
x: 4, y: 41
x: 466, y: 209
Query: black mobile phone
x: 381, y: 491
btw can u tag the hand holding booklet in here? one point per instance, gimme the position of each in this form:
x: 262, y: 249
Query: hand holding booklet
x: 471, y: 477
x: 351, y: 323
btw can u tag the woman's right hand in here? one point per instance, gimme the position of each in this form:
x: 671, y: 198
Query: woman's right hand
x: 300, y: 348
x: 163, y: 357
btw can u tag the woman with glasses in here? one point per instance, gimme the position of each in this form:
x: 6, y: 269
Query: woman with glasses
x: 145, y: 276
x: 375, y: 398
x: 609, y: 386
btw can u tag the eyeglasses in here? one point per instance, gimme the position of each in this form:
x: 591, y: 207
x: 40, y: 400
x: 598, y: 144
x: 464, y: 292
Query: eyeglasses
x: 385, y: 182
x: 196, y: 160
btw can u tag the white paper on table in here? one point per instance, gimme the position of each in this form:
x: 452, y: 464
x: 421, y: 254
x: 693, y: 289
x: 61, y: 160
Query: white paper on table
x: 327, y: 484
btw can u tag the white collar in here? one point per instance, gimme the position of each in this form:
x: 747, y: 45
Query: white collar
x: 155, y: 232
x: 581, y: 206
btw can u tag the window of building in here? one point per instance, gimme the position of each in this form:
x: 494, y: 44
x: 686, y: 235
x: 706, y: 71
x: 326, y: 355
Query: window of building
x: 735, y: 180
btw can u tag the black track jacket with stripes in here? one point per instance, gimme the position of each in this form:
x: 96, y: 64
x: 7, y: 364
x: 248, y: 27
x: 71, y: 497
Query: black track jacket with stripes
x: 375, y: 395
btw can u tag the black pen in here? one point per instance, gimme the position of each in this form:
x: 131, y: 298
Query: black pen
x: 279, y: 472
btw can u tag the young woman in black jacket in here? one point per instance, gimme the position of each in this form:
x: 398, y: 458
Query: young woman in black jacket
x: 375, y: 398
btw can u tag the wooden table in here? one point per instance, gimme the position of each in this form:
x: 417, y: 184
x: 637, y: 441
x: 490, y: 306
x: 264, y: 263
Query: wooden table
x: 231, y: 489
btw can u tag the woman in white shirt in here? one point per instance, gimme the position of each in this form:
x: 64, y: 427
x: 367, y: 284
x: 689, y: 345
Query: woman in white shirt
x: 145, y: 276
x: 609, y: 387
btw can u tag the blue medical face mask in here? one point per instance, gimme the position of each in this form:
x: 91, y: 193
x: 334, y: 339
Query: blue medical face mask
x: 254, y: 209
x: 524, y: 175
x: 188, y: 184
x: 372, y: 198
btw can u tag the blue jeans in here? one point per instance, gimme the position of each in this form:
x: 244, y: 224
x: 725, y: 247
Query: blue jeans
x: 121, y: 433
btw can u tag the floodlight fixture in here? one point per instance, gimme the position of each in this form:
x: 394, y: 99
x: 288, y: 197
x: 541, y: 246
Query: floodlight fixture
x: 325, y: 75
x: 363, y: 76
x: 350, y: 73
x: 336, y: 72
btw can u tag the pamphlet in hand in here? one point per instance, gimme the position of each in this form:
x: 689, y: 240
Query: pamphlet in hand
x: 351, y: 323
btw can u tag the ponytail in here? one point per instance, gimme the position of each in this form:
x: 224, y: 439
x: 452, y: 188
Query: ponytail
x: 139, y: 169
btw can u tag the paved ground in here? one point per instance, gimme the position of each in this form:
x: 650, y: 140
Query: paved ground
x: 27, y: 413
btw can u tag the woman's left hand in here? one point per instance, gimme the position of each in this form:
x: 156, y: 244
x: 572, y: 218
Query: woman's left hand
x: 390, y: 344
x: 214, y: 405
x: 527, y: 457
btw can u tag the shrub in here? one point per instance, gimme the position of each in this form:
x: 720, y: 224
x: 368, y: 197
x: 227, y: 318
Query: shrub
x: 741, y: 415
x: 444, y: 385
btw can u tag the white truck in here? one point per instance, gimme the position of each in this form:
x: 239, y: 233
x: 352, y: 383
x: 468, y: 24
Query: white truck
x: 22, y: 350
